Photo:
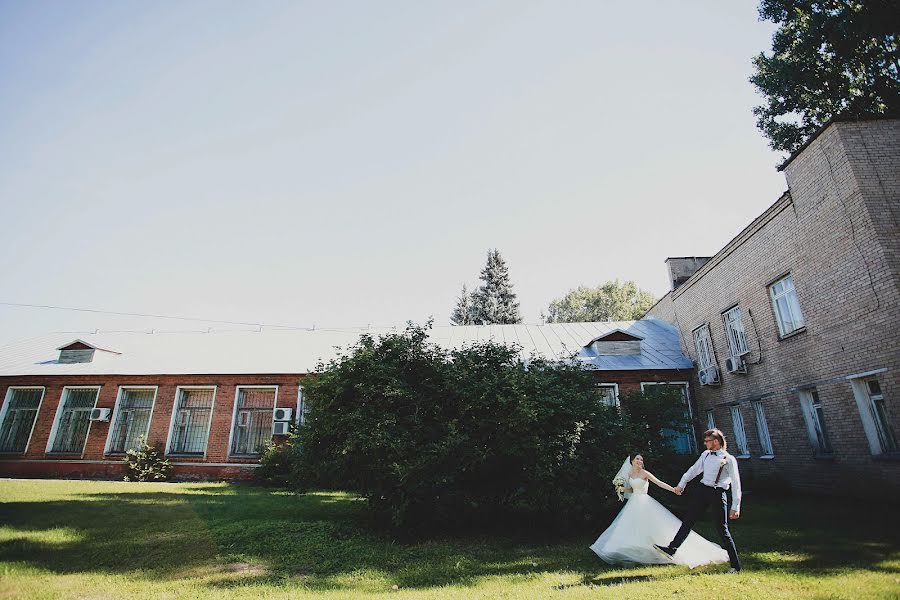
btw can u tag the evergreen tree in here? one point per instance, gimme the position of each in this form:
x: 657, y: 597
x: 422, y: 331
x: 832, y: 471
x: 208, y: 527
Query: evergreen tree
x: 494, y: 301
x: 829, y: 59
x: 462, y: 314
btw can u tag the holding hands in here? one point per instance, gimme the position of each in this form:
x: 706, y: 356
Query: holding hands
x: 678, y: 490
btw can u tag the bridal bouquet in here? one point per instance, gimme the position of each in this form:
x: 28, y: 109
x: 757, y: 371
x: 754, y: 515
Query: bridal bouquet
x: 619, y: 484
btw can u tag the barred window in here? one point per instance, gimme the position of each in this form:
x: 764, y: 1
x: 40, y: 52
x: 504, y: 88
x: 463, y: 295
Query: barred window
x: 19, y: 413
x: 734, y: 331
x: 710, y: 420
x: 740, y: 435
x: 132, y: 418
x: 191, y: 420
x: 703, y: 343
x: 762, y: 429
x: 74, y: 419
x: 252, y: 419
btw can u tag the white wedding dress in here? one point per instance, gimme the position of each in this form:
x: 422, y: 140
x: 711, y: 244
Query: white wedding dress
x: 643, y: 522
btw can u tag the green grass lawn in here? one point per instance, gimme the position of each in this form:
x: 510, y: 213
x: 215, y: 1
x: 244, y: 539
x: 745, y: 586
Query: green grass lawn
x: 87, y: 539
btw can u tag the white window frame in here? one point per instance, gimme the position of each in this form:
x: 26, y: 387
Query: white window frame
x: 301, y: 406
x: 814, y: 426
x: 703, y: 345
x: 762, y: 430
x: 115, y: 413
x: 740, y: 433
x: 786, y: 293
x: 615, y: 389
x: 59, y: 411
x: 234, y: 413
x: 687, y: 400
x: 37, y: 414
x: 710, y: 419
x: 872, y: 426
x: 735, y: 333
x: 171, y: 437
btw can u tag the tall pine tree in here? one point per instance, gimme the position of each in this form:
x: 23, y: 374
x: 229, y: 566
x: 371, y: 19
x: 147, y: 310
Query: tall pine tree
x: 462, y: 314
x: 495, y: 301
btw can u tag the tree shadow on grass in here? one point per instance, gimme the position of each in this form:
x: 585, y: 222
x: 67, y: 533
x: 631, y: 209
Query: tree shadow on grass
x: 246, y: 535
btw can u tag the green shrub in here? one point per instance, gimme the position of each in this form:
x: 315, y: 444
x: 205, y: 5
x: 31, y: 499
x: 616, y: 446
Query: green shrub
x: 146, y: 463
x: 276, y: 463
x: 474, y: 436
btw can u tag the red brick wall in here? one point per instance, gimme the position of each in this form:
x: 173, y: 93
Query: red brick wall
x: 93, y: 463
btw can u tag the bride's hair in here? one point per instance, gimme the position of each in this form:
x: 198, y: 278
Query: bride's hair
x: 717, y: 434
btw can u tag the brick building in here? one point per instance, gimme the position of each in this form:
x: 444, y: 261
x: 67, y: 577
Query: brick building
x: 793, y: 325
x: 73, y: 404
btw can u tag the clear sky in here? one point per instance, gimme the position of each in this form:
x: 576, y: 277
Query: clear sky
x: 350, y: 163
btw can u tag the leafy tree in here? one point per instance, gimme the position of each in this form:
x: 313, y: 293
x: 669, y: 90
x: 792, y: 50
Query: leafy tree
x: 829, y: 58
x: 474, y: 436
x: 611, y: 301
x: 494, y: 301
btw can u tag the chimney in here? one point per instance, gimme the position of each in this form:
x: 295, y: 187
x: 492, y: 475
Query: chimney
x: 682, y: 267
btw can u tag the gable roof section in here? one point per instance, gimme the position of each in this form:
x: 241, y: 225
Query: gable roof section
x: 82, y: 345
x: 289, y: 352
x: 617, y: 336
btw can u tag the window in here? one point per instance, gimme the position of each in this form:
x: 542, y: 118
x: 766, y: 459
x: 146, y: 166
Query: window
x: 734, y: 331
x: 762, y: 429
x: 253, y: 414
x: 814, y: 416
x: 740, y: 436
x: 132, y: 418
x: 191, y: 419
x: 73, y: 419
x: 872, y: 410
x: 302, y: 407
x: 609, y: 393
x: 710, y: 420
x: 684, y: 440
x: 703, y: 343
x: 18, y: 416
x: 787, y: 308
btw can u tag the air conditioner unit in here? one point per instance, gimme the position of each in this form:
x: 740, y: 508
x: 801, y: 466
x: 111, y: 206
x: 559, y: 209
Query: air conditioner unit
x: 283, y: 414
x: 100, y: 414
x: 281, y: 427
x: 735, y: 364
x: 709, y: 376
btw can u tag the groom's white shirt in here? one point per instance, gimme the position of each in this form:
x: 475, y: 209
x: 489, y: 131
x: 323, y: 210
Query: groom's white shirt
x: 710, y: 469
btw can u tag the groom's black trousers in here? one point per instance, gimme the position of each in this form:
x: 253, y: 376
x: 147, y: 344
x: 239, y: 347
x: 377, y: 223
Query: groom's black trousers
x: 702, y: 498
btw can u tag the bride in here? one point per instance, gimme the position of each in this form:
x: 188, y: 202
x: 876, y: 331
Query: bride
x: 643, y: 522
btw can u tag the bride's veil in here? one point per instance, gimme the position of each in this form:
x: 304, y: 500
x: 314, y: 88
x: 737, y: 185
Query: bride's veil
x: 623, y: 473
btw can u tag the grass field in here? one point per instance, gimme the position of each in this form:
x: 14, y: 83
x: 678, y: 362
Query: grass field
x: 86, y: 539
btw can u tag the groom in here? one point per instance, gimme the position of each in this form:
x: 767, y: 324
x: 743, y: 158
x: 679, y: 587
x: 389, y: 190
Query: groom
x: 720, y: 471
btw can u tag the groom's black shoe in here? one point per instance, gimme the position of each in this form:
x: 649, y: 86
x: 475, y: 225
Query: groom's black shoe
x: 665, y: 550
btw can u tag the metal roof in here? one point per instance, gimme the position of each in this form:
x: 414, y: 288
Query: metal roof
x: 291, y: 351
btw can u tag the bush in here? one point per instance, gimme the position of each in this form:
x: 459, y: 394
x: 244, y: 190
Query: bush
x: 146, y: 463
x: 276, y: 463
x: 471, y: 436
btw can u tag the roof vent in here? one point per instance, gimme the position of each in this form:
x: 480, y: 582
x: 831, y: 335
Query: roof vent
x: 616, y: 343
x: 78, y: 352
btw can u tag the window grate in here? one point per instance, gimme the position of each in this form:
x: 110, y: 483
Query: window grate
x: 132, y: 418
x: 21, y: 411
x: 192, y: 418
x: 74, y: 420
x: 253, y: 425
x: 734, y: 331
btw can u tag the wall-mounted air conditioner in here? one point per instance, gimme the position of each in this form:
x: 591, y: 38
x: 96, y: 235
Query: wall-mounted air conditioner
x: 709, y: 376
x: 283, y: 414
x: 281, y: 427
x: 735, y: 364
x: 100, y: 414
